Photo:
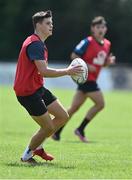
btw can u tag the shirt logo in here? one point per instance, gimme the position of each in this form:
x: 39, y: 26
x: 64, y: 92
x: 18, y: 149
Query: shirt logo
x: 100, y: 59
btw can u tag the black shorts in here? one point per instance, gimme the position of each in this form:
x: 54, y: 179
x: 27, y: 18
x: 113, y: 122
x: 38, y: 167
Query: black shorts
x: 36, y: 104
x: 89, y: 86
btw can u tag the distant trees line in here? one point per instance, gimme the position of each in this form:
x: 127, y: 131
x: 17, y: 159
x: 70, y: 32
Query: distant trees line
x: 71, y: 24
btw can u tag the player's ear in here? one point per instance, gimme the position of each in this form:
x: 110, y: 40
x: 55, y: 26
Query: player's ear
x: 38, y: 24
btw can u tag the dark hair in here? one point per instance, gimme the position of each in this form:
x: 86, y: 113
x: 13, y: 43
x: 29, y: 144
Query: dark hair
x: 40, y: 16
x: 98, y: 20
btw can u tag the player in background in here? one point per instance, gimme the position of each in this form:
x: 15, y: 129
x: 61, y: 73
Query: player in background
x: 95, y: 51
x: 28, y: 86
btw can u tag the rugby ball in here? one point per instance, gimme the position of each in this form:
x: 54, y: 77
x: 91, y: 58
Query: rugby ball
x: 81, y: 77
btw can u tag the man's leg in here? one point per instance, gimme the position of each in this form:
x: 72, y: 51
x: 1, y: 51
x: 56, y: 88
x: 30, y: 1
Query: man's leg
x: 60, y: 115
x: 98, y: 99
x: 46, y: 127
x: 37, y: 104
x: 78, y: 99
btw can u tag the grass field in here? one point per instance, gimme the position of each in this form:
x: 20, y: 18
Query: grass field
x: 107, y: 155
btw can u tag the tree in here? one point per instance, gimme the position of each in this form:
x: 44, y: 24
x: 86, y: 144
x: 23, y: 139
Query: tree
x: 71, y: 24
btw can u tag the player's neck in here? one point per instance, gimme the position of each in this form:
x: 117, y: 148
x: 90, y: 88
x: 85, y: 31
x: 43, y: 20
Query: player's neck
x: 41, y: 36
x: 100, y: 40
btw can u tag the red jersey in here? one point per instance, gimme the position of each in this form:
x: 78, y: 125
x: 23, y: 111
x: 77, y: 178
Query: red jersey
x: 27, y: 78
x: 93, y: 53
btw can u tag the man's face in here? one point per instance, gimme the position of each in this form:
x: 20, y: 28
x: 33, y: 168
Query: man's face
x: 46, y: 27
x: 99, y: 30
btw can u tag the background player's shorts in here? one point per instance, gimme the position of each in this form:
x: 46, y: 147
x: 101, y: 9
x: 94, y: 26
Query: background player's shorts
x: 89, y: 86
x: 36, y: 104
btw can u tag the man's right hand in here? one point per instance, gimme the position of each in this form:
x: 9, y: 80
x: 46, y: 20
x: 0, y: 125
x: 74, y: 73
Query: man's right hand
x: 74, y: 70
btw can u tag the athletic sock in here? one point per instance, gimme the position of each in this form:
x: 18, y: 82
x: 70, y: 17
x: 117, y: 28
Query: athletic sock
x: 27, y: 154
x: 57, y: 133
x: 83, y: 124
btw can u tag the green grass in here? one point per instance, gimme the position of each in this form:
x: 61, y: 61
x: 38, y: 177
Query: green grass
x: 108, y: 154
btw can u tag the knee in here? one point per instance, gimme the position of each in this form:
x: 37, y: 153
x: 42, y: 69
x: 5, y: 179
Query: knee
x: 65, y: 116
x: 100, y: 106
x: 73, y: 109
x: 47, y: 130
x: 50, y: 130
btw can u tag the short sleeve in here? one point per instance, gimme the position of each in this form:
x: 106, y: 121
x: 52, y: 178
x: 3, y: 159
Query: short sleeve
x: 35, y: 51
x: 81, y: 47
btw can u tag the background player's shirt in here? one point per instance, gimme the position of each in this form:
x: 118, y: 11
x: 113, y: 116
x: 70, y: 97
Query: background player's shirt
x: 28, y: 79
x: 93, y: 53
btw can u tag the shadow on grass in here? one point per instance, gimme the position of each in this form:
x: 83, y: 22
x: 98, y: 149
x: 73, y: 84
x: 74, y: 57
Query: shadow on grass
x: 44, y: 164
x: 79, y: 142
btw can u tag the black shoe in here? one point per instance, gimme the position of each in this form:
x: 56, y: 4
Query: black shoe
x: 30, y: 161
x: 56, y: 137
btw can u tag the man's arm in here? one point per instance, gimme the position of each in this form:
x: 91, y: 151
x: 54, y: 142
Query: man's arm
x: 74, y: 55
x: 35, y: 52
x: 80, y: 49
x: 110, y: 60
x: 78, y: 52
x: 45, y: 71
